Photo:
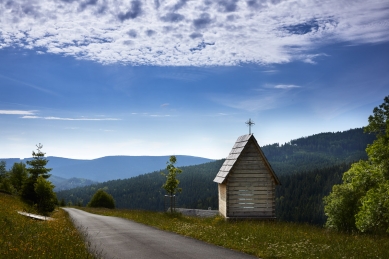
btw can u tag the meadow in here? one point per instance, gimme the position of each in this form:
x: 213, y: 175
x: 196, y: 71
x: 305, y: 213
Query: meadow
x: 22, y: 237
x: 264, y: 239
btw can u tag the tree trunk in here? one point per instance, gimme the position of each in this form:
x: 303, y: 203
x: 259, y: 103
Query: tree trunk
x: 171, y: 203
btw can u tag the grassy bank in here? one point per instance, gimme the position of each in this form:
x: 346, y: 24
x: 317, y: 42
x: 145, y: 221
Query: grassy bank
x: 22, y: 237
x: 264, y: 239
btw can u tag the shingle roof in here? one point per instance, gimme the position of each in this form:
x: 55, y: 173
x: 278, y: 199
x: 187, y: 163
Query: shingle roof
x: 236, y: 151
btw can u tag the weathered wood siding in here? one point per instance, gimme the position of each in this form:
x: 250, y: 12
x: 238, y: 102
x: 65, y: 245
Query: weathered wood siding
x: 223, y: 199
x: 250, y: 186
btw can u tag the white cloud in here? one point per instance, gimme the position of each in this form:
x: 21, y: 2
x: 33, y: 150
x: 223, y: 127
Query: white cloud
x: 31, y: 117
x: 70, y: 119
x: 195, y: 33
x: 17, y: 112
x: 159, y: 115
x: 286, y: 86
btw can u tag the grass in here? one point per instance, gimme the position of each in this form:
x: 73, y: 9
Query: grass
x: 263, y: 239
x: 22, y: 237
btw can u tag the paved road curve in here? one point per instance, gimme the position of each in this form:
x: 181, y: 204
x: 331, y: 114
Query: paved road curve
x: 121, y: 238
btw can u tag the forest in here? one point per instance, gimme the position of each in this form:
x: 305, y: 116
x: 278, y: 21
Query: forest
x: 307, y: 168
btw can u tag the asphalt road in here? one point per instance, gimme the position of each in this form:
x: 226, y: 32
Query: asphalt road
x: 121, y: 238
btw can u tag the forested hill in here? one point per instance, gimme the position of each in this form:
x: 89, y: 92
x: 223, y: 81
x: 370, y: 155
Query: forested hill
x: 145, y: 192
x: 298, y: 199
x: 318, y: 151
x: 307, y: 168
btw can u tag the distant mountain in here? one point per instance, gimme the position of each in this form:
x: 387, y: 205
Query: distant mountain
x: 299, y: 155
x: 110, y: 167
x: 65, y: 184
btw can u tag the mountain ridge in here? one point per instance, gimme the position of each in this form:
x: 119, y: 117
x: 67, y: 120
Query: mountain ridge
x: 109, y: 167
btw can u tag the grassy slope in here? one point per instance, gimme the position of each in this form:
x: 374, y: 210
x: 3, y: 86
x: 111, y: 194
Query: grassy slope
x: 264, y: 239
x: 22, y: 237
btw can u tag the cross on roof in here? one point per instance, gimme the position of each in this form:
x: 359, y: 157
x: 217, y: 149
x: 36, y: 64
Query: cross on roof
x: 249, y: 123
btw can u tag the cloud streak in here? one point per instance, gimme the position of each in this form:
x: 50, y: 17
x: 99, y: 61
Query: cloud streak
x: 17, y: 112
x: 265, y: 98
x: 286, y: 86
x: 69, y: 119
x: 165, y: 32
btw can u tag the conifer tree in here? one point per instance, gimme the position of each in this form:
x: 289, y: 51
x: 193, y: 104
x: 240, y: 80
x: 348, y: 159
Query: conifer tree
x: 37, y: 168
x: 18, y: 175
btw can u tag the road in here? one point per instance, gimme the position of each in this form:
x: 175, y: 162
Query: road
x: 120, y: 238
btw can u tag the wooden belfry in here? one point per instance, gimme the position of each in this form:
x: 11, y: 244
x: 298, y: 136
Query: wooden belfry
x: 246, y: 182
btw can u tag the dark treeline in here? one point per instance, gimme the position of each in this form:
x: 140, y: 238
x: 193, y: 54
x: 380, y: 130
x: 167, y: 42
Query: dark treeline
x: 300, y: 197
x: 145, y: 192
x: 318, y: 151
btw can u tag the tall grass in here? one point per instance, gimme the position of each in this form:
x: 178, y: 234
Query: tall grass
x: 22, y: 237
x: 264, y: 239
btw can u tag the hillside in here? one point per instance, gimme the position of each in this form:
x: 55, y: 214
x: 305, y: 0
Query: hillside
x: 65, y: 184
x: 144, y: 191
x: 299, y: 198
x: 318, y: 151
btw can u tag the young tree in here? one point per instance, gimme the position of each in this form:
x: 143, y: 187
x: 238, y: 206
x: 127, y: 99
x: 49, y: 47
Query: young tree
x: 361, y: 202
x: 46, y: 198
x: 5, y: 184
x: 62, y: 203
x: 37, y: 168
x: 18, y: 175
x: 3, y: 170
x: 102, y: 199
x: 171, y: 184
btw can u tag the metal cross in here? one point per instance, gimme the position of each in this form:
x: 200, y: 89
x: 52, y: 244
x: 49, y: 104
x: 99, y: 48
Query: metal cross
x: 249, y: 123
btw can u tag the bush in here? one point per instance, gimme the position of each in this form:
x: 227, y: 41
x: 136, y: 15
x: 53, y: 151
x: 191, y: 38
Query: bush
x: 102, y: 199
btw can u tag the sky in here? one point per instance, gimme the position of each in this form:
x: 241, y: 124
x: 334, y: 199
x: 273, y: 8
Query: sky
x: 94, y: 78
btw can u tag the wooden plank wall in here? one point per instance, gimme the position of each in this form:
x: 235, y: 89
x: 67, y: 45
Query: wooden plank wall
x: 251, y: 189
x: 222, y: 199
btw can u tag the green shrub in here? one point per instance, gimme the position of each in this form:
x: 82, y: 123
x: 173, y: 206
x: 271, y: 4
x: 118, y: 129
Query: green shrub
x: 102, y: 199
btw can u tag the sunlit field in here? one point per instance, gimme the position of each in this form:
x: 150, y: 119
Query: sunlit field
x: 264, y: 239
x: 22, y: 237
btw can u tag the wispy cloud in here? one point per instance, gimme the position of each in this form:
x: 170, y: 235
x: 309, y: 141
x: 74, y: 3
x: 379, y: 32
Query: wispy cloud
x: 195, y: 33
x: 159, y: 115
x: 265, y: 98
x: 25, y: 83
x: 17, y: 112
x: 286, y: 86
x: 70, y: 119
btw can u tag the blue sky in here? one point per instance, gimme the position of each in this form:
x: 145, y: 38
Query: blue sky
x: 106, y: 77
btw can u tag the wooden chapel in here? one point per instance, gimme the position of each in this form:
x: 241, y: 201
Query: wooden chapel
x: 246, y: 182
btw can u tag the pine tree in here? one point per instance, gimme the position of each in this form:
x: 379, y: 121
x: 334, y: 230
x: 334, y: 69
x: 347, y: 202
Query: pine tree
x: 37, y: 168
